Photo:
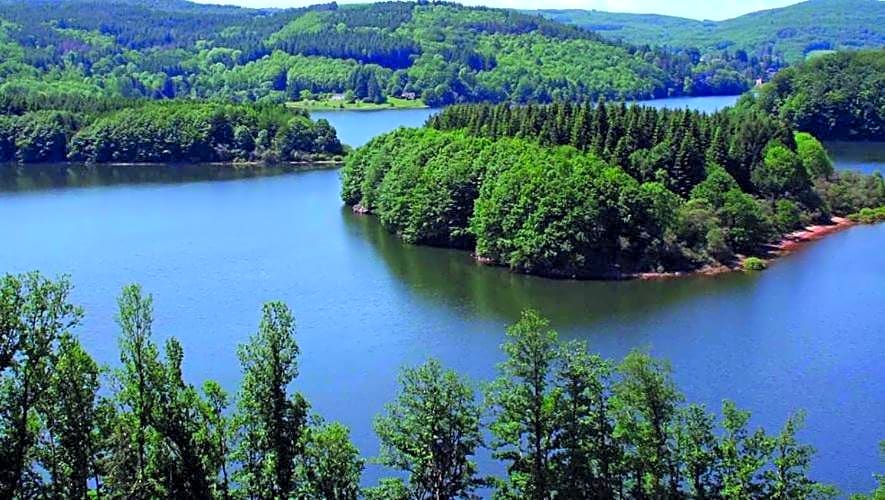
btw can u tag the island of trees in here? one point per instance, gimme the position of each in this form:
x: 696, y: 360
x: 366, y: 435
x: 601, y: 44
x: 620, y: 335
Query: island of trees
x: 603, y: 190
x: 565, y: 422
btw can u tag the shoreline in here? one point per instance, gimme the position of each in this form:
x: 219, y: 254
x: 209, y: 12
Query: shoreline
x: 789, y: 243
x: 234, y: 164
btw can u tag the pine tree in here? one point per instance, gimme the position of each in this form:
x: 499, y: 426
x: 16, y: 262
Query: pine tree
x: 687, y: 168
x: 718, y: 151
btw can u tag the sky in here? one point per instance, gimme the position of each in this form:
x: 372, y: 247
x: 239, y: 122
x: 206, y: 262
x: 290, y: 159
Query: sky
x: 716, y: 10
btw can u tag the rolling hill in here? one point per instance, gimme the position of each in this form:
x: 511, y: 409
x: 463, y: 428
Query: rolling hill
x: 793, y: 31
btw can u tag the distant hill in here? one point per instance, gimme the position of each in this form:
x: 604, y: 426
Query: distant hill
x: 64, y: 53
x: 793, y: 31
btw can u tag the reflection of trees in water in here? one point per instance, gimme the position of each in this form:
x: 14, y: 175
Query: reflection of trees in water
x: 864, y: 156
x: 35, y: 177
x: 452, y: 276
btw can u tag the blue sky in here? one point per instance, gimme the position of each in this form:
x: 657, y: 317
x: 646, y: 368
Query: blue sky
x: 696, y: 9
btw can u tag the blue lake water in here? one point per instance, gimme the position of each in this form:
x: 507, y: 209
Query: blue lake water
x: 357, y: 127
x: 213, y: 243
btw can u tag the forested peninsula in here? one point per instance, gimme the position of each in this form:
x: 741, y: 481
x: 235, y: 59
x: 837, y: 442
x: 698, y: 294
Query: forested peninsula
x: 604, y: 190
x: 49, y: 130
x: 561, y: 421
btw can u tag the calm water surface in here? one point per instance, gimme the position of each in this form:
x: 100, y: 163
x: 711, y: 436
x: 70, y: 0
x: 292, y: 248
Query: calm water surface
x: 357, y: 127
x: 212, y: 244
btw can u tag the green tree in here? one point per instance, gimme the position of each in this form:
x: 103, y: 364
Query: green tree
x: 587, y: 465
x: 138, y: 456
x: 714, y: 187
x: 522, y: 401
x: 70, y: 418
x: 813, y: 156
x: 645, y: 405
x: 747, y: 227
x: 35, y: 314
x: 781, y: 173
x: 743, y: 455
x: 697, y: 445
x: 215, y: 433
x: 331, y: 465
x: 431, y: 431
x: 788, y: 478
x: 270, y: 421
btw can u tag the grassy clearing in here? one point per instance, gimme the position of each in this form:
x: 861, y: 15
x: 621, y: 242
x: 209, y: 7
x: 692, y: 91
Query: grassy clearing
x: 333, y: 105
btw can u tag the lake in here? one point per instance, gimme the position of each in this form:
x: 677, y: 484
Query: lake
x: 357, y: 127
x: 213, y: 243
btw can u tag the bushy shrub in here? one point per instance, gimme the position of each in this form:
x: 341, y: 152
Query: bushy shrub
x: 754, y: 264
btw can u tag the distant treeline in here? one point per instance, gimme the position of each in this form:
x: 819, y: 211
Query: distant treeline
x: 601, y: 190
x: 563, y: 422
x: 177, y: 131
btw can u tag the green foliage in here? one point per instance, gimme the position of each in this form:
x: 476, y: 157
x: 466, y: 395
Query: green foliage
x: 76, y: 53
x: 849, y: 192
x: 181, y: 131
x: 567, y: 423
x: 581, y: 190
x: 813, y: 156
x: 754, y: 264
x: 35, y: 318
x: 331, y: 465
x: 780, y: 173
x: 791, y: 31
x: 431, y: 431
x: 523, y: 406
x: 869, y: 215
x: 838, y: 96
x: 271, y: 422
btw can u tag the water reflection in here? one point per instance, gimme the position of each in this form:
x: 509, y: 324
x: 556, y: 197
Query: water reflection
x: 861, y: 156
x: 453, y: 277
x: 20, y: 178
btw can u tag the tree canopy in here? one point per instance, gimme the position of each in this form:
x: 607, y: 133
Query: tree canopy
x: 563, y: 421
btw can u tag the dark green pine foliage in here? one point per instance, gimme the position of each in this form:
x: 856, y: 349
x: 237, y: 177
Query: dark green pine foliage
x: 688, y: 167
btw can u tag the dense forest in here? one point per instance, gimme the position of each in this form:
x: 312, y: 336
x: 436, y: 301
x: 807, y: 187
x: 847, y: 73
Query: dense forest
x: 793, y: 32
x: 178, y: 131
x: 441, y: 53
x: 601, y: 190
x: 565, y: 422
x: 839, y: 96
